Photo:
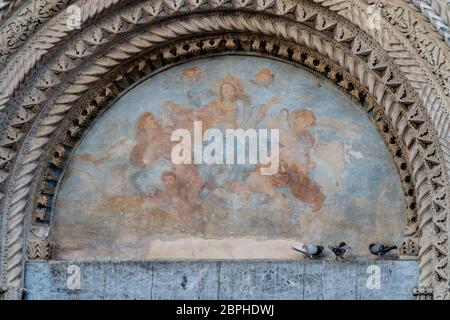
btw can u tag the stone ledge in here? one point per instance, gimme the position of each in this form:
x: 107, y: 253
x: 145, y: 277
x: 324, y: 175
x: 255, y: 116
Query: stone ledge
x: 253, y: 280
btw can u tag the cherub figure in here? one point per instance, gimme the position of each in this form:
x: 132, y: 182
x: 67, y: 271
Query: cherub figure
x: 219, y: 113
x: 296, y: 142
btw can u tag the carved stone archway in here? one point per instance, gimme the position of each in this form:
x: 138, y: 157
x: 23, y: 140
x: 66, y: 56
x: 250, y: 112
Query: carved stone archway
x: 51, y: 76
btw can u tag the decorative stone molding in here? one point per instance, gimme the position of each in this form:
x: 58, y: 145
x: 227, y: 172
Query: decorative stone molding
x: 438, y: 12
x: 423, y: 293
x: 38, y: 248
x: 48, y: 77
x: 25, y: 22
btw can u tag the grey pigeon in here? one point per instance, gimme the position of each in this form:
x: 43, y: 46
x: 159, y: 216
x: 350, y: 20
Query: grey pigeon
x: 379, y: 249
x: 340, y: 250
x: 310, y: 250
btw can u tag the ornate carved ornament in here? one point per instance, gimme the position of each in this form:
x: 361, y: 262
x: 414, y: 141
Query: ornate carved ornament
x: 438, y: 13
x: 50, y: 76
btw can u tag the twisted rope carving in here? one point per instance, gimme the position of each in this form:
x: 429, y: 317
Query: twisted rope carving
x: 436, y: 19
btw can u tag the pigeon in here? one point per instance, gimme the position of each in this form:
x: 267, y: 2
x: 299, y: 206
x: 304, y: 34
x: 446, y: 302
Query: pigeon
x: 310, y: 250
x: 339, y: 251
x: 379, y: 249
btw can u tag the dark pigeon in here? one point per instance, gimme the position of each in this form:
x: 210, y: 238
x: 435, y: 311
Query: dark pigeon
x: 340, y: 250
x: 379, y: 249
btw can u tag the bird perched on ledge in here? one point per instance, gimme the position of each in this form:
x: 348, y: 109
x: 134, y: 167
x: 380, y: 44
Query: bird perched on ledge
x: 309, y: 250
x: 339, y: 251
x: 379, y: 249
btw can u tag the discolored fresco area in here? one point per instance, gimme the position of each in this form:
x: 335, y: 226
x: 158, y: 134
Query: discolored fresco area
x: 123, y: 198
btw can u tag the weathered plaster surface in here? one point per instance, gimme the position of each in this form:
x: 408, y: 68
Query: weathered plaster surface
x: 115, y: 203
